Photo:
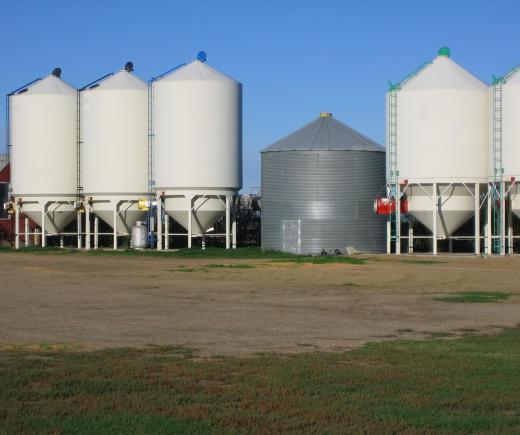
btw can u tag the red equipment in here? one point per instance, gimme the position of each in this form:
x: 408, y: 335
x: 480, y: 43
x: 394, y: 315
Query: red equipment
x: 385, y: 206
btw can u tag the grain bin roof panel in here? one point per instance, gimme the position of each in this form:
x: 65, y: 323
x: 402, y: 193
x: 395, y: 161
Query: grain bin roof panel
x: 325, y: 134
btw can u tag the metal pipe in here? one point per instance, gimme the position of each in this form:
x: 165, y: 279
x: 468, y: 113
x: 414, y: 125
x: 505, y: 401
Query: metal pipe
x: 234, y: 225
x: 510, y: 230
x: 190, y: 199
x: 477, y: 219
x: 228, y: 206
x: 502, y: 218
x: 87, y: 225
x: 44, y: 236
x: 80, y: 230
x: 398, y: 219
x: 489, y: 224
x: 159, y: 223
x: 435, y: 209
x: 26, y: 241
x: 16, y: 227
x: 410, y: 235
x: 166, y: 231
x: 96, y: 232
x: 114, y: 221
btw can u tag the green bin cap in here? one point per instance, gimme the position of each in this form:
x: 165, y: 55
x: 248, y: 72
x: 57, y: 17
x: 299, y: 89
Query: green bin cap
x: 444, y: 51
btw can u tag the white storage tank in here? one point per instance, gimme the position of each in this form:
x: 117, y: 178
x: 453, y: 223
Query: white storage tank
x: 114, y: 151
x: 43, y: 121
x: 198, y: 143
x: 442, y: 137
x: 511, y: 134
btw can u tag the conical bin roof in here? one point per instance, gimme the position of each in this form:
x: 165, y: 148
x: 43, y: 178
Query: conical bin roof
x: 325, y: 134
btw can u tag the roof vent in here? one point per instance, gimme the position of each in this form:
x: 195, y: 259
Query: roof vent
x: 201, y: 56
x: 129, y: 67
x: 444, y: 51
x: 56, y: 72
x: 325, y: 115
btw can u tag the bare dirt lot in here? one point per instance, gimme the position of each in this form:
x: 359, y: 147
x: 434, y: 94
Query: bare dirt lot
x: 111, y: 301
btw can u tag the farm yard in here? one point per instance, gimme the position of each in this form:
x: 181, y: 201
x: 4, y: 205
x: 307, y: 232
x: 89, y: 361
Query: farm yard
x: 246, y: 341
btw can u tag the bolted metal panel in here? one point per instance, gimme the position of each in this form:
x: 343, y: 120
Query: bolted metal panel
x: 331, y: 193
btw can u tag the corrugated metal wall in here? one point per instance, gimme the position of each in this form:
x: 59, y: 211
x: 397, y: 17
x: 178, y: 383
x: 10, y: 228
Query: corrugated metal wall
x: 324, y: 199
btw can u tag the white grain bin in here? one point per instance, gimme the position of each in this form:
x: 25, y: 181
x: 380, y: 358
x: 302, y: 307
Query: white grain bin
x: 442, y: 137
x: 511, y: 134
x: 198, y: 143
x: 114, y: 152
x: 43, y: 125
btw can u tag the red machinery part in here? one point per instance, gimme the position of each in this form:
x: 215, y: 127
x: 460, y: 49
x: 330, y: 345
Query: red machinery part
x: 385, y: 206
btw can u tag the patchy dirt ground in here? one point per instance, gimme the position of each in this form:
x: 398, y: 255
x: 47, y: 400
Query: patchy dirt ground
x: 98, y: 301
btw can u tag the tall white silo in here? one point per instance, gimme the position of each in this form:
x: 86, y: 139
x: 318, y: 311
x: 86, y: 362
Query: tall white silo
x: 511, y: 135
x: 114, y: 135
x: 441, y: 141
x: 43, y: 131
x: 198, y: 143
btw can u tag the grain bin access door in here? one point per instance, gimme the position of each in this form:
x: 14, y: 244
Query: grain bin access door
x: 291, y: 236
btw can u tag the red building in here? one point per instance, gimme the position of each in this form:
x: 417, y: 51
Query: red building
x: 6, y: 219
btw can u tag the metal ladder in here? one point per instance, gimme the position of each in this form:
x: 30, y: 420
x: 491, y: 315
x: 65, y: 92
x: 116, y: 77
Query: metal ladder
x: 79, y: 188
x: 392, y: 162
x: 498, y: 167
x: 151, y: 164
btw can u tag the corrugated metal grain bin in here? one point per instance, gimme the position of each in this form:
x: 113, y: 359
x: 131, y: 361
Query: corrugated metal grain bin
x: 318, y: 187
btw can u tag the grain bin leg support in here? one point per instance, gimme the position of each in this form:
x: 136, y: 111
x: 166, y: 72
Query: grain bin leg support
x: 228, y: 209
x: 234, y: 225
x: 44, y: 235
x: 510, y: 230
x: 87, y: 226
x: 114, y: 223
x: 190, y: 205
x: 96, y: 232
x: 489, y: 224
x: 80, y: 229
x: 388, y: 236
x: 166, y: 232
x: 410, y: 235
x: 477, y: 219
x: 398, y: 219
x: 16, y: 227
x: 435, y: 209
x: 503, y: 218
x: 26, y: 228
x: 159, y: 223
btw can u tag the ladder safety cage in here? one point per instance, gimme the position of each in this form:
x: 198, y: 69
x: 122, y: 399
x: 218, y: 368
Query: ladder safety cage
x: 497, y: 190
x: 151, y: 156
x: 393, y: 167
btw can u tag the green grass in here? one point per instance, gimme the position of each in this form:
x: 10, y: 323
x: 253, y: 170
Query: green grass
x: 230, y: 266
x: 422, y: 261
x: 473, y: 297
x: 432, y: 386
x: 207, y: 267
x: 209, y: 253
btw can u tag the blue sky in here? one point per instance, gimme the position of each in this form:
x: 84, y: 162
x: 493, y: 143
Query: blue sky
x: 294, y: 58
